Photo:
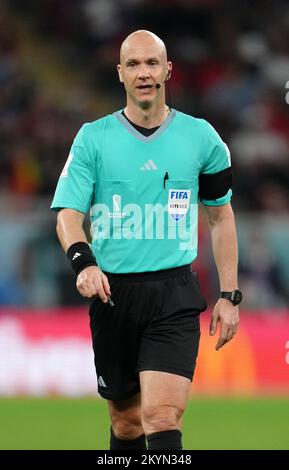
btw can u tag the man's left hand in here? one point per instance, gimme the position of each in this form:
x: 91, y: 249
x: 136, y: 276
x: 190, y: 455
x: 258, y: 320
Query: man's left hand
x: 228, y: 316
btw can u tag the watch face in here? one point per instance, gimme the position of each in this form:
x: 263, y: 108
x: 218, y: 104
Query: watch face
x: 237, y: 297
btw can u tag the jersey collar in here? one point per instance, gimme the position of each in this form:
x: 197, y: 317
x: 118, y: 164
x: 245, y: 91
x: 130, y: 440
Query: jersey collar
x: 140, y: 136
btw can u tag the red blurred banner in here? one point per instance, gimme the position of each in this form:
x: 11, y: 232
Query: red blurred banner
x: 255, y: 361
x: 50, y: 352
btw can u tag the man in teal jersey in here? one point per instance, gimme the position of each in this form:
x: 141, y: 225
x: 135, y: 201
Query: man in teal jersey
x: 141, y: 172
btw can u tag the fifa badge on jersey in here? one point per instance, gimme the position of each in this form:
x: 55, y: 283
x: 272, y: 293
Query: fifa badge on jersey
x: 179, y: 203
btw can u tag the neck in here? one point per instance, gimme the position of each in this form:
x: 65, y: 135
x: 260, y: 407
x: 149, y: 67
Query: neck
x: 152, y: 116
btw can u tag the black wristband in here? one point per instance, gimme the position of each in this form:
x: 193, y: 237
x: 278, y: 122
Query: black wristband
x: 80, y: 256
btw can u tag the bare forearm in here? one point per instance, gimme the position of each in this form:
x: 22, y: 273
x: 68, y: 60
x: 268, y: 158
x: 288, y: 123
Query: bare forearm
x: 69, y: 228
x: 91, y: 281
x: 225, y: 250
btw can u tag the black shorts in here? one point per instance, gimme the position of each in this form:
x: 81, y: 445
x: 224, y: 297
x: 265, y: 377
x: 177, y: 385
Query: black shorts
x: 154, y: 325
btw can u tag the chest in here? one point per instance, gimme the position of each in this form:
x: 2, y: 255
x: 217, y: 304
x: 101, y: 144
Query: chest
x: 123, y: 156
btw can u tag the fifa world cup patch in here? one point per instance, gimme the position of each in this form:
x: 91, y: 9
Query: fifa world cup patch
x: 178, y: 203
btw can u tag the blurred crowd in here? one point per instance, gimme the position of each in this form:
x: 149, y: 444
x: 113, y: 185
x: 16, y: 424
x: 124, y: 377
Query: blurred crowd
x: 230, y: 66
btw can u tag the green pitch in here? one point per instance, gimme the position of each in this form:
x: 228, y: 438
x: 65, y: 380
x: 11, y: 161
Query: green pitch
x: 259, y: 423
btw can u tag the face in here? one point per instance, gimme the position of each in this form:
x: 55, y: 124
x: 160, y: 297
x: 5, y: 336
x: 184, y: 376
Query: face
x: 143, y: 65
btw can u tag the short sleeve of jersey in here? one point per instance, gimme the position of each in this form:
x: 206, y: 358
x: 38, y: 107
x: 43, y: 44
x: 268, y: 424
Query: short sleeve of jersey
x: 76, y: 184
x: 216, y: 158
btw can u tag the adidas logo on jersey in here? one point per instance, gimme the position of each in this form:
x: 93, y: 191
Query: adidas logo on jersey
x: 150, y: 165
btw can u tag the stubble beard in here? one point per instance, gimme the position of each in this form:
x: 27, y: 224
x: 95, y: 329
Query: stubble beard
x: 145, y: 105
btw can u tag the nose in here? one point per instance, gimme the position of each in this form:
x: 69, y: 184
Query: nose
x: 143, y: 73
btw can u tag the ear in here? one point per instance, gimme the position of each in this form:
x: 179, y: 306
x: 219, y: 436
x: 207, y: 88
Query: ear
x: 169, y: 72
x: 119, y: 73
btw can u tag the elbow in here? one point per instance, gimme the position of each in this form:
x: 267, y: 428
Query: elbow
x: 59, y: 225
x: 221, y: 216
x: 57, y: 229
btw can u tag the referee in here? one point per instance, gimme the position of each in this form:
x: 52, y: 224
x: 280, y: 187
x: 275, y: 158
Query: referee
x: 141, y: 172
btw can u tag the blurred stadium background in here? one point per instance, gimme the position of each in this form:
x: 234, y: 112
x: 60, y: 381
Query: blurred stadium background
x: 57, y: 70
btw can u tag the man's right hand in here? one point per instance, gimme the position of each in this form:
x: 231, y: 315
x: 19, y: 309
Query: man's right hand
x: 91, y: 282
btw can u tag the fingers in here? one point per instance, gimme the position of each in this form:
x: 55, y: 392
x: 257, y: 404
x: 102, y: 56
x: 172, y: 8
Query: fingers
x: 213, y: 325
x: 231, y: 333
x: 226, y: 335
x: 100, y: 290
x: 83, y: 286
x: 222, y: 339
x: 83, y: 291
x: 105, y: 284
x: 228, y: 317
x: 92, y: 282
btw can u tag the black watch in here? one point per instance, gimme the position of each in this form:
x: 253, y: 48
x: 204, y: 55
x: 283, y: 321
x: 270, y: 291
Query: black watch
x: 235, y: 296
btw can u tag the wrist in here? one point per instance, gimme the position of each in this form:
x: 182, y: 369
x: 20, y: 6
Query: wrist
x: 80, y: 256
x: 235, y: 296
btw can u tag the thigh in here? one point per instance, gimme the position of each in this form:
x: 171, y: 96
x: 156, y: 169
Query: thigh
x: 162, y: 388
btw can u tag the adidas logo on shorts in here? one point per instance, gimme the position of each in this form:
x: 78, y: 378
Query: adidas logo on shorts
x: 101, y: 382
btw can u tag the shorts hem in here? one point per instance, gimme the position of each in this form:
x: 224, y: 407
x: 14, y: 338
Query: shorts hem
x: 118, y: 396
x: 169, y: 369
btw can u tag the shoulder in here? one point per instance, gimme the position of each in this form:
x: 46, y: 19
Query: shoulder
x: 91, y: 132
x: 98, y: 125
x: 196, y: 123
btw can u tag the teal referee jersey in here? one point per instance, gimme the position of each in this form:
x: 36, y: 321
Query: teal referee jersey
x: 142, y: 192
